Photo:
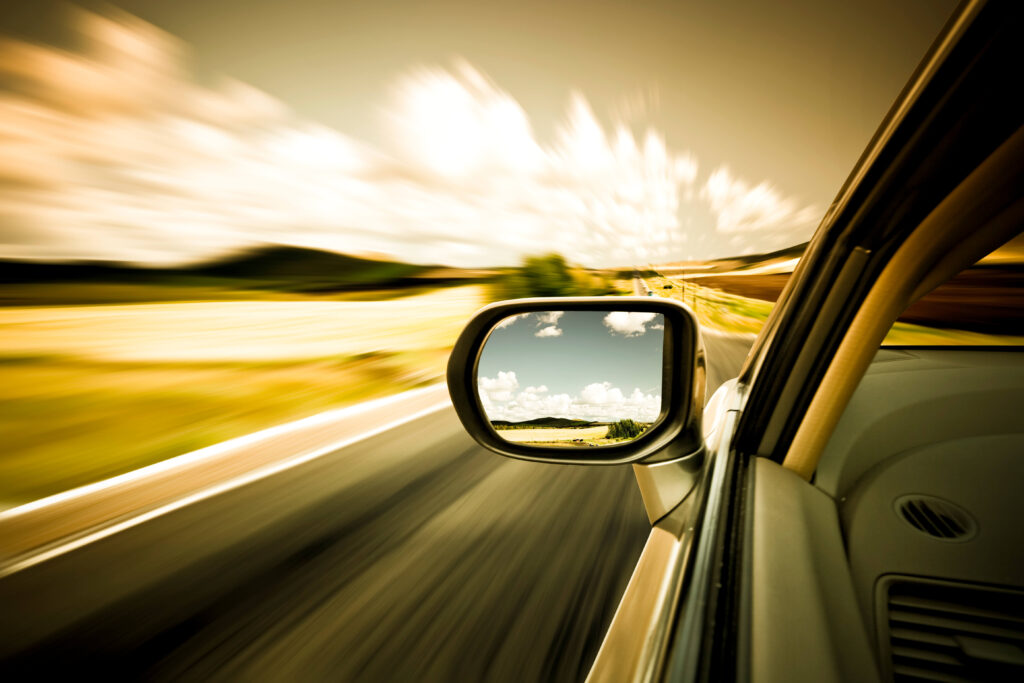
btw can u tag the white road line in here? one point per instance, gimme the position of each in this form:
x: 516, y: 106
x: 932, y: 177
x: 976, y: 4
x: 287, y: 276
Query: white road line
x: 216, y: 449
x: 42, y: 555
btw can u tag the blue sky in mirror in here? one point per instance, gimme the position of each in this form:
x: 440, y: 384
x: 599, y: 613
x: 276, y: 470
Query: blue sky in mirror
x: 587, y: 365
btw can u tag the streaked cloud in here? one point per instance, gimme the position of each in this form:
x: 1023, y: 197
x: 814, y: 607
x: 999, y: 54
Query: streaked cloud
x: 598, y: 401
x: 740, y: 207
x: 112, y: 150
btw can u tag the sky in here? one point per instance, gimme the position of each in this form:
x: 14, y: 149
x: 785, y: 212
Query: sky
x: 456, y: 132
x: 585, y: 365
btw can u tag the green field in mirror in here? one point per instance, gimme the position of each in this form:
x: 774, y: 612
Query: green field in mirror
x: 580, y: 379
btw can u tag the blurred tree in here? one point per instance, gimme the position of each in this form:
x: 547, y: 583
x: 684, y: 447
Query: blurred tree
x: 550, y: 275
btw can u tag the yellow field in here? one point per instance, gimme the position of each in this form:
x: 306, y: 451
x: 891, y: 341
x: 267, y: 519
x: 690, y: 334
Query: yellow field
x: 238, y: 330
x: 566, y: 434
x: 90, y: 392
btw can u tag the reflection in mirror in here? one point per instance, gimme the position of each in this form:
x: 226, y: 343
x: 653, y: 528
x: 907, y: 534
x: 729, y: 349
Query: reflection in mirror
x: 573, y: 378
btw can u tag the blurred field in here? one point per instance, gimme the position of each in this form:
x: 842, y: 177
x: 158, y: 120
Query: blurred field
x: 88, y: 392
x: 531, y: 435
x: 99, y: 293
x: 715, y: 309
x: 238, y: 330
x: 738, y: 311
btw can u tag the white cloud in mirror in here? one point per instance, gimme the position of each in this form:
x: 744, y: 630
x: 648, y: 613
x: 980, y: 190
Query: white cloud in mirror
x: 549, y: 331
x: 499, y: 388
x: 628, y: 323
x: 509, y: 321
x: 597, y: 401
x: 549, y: 317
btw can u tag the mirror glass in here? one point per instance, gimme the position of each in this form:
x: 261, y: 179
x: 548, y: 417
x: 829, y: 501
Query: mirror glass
x: 581, y: 379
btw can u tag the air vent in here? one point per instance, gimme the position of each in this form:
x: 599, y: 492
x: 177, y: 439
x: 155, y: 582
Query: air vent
x: 936, y: 517
x: 940, y: 631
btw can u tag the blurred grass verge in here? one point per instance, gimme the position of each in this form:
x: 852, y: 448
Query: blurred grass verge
x: 108, y: 368
x: 89, y: 392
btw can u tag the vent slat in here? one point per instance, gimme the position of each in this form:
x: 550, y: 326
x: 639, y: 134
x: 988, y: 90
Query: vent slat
x: 918, y: 636
x: 936, y: 517
x: 921, y: 520
x: 953, y: 608
x: 956, y: 625
x: 948, y: 632
x: 930, y: 656
x: 945, y: 525
x: 913, y: 673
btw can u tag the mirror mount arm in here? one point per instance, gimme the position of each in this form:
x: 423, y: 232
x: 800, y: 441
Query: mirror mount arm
x: 666, y: 484
x: 667, y: 478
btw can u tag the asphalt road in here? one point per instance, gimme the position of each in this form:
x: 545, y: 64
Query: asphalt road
x: 414, y: 555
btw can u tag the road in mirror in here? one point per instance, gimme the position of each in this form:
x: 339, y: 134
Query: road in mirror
x: 573, y: 378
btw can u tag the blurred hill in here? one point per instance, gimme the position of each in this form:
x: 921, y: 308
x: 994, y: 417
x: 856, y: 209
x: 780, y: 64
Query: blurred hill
x: 283, y: 268
x: 550, y: 422
x: 783, y: 259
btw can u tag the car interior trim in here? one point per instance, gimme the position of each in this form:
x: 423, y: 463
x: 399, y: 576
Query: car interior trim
x: 916, y: 153
x: 799, y: 569
x: 912, y: 397
x: 833, y: 308
x: 927, y: 256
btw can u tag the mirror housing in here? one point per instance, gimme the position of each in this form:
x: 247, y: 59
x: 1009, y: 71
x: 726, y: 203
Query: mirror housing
x: 677, y: 432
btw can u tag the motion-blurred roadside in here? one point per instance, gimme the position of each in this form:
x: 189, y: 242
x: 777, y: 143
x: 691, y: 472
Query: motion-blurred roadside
x: 147, y: 309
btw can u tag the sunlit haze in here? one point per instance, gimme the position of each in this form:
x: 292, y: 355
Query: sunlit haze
x: 119, y: 144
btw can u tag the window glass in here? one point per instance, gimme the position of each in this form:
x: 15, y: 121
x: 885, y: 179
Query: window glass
x: 730, y: 295
x: 980, y: 306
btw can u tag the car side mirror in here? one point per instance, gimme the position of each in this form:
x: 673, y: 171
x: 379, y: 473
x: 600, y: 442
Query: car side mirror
x: 581, y: 380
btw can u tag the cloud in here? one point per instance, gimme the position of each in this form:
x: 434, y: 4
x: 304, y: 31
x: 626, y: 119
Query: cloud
x: 601, y: 393
x: 509, y: 321
x: 628, y: 323
x: 599, y: 401
x: 499, y: 388
x: 547, y: 321
x: 111, y: 150
x: 742, y: 208
x: 549, y: 317
x: 473, y: 125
